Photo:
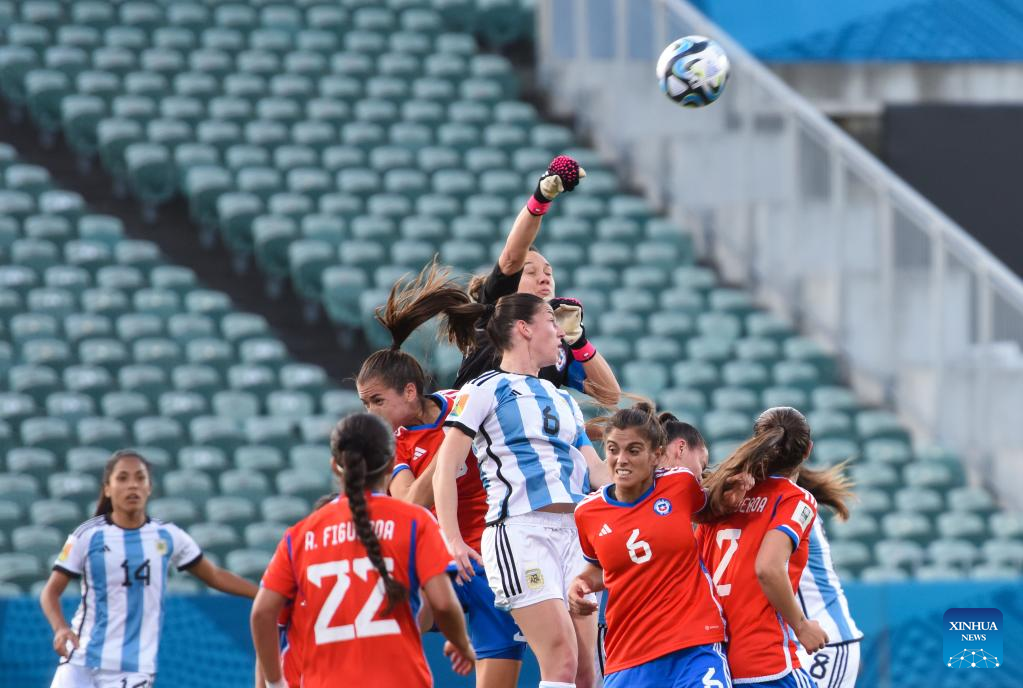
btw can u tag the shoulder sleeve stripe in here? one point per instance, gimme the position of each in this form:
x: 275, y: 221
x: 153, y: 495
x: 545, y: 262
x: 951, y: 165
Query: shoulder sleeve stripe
x: 791, y: 533
x: 455, y: 424
x: 595, y: 562
x: 185, y: 567
x: 485, y: 377
x: 66, y: 572
x: 92, y: 522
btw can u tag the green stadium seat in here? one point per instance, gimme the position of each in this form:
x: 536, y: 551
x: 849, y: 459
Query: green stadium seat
x: 645, y: 277
x: 32, y: 461
x: 702, y: 375
x: 308, y: 483
x: 907, y: 526
x: 16, y: 61
x: 253, y: 487
x: 16, y: 204
x: 157, y: 431
x: 65, y: 204
x: 795, y: 374
x: 159, y: 351
x: 37, y: 382
x: 739, y: 399
x: 216, y: 431
x: 919, y: 500
x: 830, y: 452
x: 98, y: 431
x: 260, y: 459
x: 686, y: 402
x: 880, y: 476
x: 899, y: 553
x: 724, y: 425
x: 52, y: 434
x: 51, y: 228
x: 975, y: 500
x: 1003, y: 553
x: 284, y: 509
x: 215, y: 539
x: 953, y: 554
x: 203, y: 184
x: 64, y: 516
x: 80, y: 115
x: 784, y: 396
x: 43, y: 542
x: 132, y: 327
x: 264, y: 535
x: 44, y: 90
x: 645, y: 377
x: 316, y: 429
x: 879, y: 424
x: 248, y: 563
x: 36, y: 254
x: 850, y: 555
x: 181, y: 512
x: 265, y: 351
x: 926, y: 474
x: 15, y: 408
x: 76, y: 487
x: 182, y: 406
x: 234, y: 404
x: 175, y: 37
x: 19, y: 489
x: 127, y: 407
x: 290, y: 405
x: 340, y: 402
x: 859, y: 526
x: 191, y: 485
x: 639, y: 301
x: 994, y: 572
x: 658, y: 349
x: 1006, y: 525
x: 20, y: 569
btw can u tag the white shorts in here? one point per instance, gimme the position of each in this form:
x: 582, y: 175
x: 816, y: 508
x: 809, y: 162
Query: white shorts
x: 78, y: 676
x: 836, y: 666
x: 531, y: 558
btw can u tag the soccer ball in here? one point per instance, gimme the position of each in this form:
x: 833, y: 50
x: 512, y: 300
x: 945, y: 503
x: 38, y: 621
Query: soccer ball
x: 692, y: 71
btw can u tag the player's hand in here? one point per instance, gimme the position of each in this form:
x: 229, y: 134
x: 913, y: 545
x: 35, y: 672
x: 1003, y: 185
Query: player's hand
x: 563, y: 174
x: 61, y: 638
x: 569, y: 314
x: 577, y: 602
x: 811, y: 636
x: 464, y: 555
x: 736, y: 488
x: 462, y: 660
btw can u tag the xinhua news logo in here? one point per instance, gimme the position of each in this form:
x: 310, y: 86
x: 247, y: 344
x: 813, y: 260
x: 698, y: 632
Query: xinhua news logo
x: 973, y: 638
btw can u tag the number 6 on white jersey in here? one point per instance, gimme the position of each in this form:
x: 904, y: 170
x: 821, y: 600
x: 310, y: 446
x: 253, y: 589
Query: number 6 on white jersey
x: 732, y: 536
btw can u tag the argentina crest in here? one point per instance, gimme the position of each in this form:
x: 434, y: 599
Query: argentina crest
x: 972, y: 638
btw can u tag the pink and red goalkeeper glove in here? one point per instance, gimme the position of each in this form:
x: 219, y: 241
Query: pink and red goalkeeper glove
x: 569, y: 314
x: 563, y: 174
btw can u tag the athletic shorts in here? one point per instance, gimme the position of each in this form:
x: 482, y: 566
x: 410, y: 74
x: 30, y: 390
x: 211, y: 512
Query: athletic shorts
x: 531, y: 558
x: 493, y: 632
x: 702, y: 666
x: 78, y: 676
x: 836, y: 666
x: 797, y: 678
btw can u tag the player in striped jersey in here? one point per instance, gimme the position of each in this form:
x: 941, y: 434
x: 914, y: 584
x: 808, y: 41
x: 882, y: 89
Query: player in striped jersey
x: 522, y: 269
x: 821, y: 597
x: 536, y: 463
x: 758, y: 553
x: 637, y: 535
x: 123, y: 558
x: 392, y: 384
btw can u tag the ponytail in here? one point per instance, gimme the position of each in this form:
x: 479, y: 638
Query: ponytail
x: 364, y: 448
x: 780, y: 444
x: 829, y: 487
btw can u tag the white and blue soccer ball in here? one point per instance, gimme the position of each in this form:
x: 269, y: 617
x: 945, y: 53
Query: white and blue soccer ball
x: 693, y: 71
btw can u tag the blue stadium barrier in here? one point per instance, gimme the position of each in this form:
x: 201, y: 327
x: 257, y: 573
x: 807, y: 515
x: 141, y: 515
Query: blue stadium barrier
x: 206, y: 639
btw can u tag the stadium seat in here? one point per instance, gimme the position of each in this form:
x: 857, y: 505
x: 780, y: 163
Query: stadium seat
x: 262, y: 459
x: 216, y: 539
x: 899, y: 553
x: 961, y: 525
x: 1003, y: 553
x: 75, y: 487
x: 181, y: 512
x: 1006, y: 525
x: 248, y: 563
x: 235, y: 404
x: 21, y: 569
x: 32, y: 461
x: 972, y: 500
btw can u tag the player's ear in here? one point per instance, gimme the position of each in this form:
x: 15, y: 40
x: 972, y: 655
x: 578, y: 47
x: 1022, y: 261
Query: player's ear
x: 410, y: 391
x: 809, y: 448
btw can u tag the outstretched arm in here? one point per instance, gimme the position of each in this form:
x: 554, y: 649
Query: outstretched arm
x: 223, y: 580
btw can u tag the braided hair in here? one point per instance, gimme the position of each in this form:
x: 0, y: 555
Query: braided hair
x: 363, y: 446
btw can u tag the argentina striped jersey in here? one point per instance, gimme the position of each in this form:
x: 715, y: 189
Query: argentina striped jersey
x: 123, y: 576
x: 820, y: 591
x: 526, y: 436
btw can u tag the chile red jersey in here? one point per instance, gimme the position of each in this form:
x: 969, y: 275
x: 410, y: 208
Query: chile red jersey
x: 291, y: 645
x: 343, y: 629
x: 762, y: 647
x: 416, y: 447
x: 660, y: 598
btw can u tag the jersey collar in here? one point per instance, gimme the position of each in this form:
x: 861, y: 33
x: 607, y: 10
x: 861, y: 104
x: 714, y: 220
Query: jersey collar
x: 110, y: 522
x: 443, y: 403
x: 606, y: 491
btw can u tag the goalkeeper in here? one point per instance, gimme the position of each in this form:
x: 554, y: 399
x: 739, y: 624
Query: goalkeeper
x: 522, y: 268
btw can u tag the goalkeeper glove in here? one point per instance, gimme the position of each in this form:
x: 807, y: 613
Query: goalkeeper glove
x: 563, y: 174
x: 569, y: 314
